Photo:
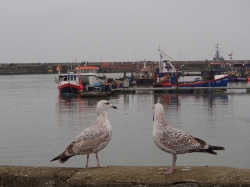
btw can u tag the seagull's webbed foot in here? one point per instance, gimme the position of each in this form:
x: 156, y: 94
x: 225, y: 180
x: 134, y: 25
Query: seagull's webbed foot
x: 87, y: 166
x: 172, y: 169
x: 168, y: 171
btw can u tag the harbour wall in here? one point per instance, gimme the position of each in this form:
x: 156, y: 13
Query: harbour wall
x: 124, y: 176
x: 106, y: 67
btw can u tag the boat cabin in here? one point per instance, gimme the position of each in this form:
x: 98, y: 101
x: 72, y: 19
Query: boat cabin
x: 69, y: 77
x: 219, y: 66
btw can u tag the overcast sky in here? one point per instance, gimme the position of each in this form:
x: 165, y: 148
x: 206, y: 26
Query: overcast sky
x: 122, y: 30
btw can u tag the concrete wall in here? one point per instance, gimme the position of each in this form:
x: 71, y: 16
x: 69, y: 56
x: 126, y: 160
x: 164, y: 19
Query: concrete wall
x: 107, y: 67
x: 124, y: 176
x: 7, y: 70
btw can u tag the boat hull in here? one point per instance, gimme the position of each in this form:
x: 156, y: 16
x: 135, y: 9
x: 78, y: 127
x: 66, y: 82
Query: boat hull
x: 144, y: 81
x: 198, y: 84
x: 238, y: 79
x: 69, y: 89
x: 220, y: 82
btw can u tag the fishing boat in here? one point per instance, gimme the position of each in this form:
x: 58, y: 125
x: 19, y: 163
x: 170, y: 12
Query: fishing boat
x: 165, y: 67
x: 145, y: 76
x: 88, y: 74
x: 168, y: 75
x: 68, y: 83
x: 165, y: 70
x: 213, y: 81
x: 238, y: 77
x: 240, y: 72
x: 218, y: 65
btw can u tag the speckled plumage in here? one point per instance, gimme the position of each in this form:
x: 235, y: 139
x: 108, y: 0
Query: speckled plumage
x: 94, y: 138
x: 174, y: 141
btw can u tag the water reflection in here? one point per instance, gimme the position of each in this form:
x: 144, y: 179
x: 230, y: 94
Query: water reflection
x: 167, y: 99
x: 214, y: 99
x: 215, y: 117
x: 68, y: 103
x: 176, y: 99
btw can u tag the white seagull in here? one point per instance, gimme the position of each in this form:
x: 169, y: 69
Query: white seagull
x: 93, y: 139
x: 174, y: 141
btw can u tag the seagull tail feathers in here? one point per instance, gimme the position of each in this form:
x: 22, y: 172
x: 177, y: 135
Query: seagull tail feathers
x: 211, y: 149
x: 216, y: 147
x: 62, y: 158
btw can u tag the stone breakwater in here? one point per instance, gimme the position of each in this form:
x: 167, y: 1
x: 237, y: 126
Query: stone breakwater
x: 22, y: 176
x: 107, y: 67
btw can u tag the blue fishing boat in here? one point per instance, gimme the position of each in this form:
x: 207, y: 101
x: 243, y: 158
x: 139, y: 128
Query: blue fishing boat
x: 218, y: 65
x: 165, y: 66
x: 171, y: 80
x: 167, y: 76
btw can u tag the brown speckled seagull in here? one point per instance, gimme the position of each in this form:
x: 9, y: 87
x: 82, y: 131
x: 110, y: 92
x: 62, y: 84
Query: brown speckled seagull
x: 174, y: 141
x: 93, y: 139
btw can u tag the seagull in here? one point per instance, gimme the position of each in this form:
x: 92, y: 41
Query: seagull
x: 174, y: 141
x: 93, y: 139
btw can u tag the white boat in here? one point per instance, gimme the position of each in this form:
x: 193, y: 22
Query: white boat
x: 89, y: 75
x: 145, y: 76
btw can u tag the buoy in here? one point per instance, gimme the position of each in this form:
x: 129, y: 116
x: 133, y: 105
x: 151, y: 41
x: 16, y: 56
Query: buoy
x: 80, y: 88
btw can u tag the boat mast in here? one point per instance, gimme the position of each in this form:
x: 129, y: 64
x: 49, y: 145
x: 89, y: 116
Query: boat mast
x: 102, y: 65
x: 144, y: 64
x: 162, y: 54
x: 217, y: 57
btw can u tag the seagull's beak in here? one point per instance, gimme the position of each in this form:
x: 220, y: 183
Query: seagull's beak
x: 114, y: 107
x: 153, y: 114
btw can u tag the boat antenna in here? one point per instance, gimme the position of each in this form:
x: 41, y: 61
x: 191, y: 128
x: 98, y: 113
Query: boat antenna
x: 102, y: 65
x: 73, y: 62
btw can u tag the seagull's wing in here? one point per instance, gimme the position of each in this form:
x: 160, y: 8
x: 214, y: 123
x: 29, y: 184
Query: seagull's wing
x: 89, y: 139
x: 87, y: 145
x: 181, y: 142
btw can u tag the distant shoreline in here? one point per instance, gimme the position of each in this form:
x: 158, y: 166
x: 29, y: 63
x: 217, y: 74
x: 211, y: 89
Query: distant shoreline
x: 118, y: 67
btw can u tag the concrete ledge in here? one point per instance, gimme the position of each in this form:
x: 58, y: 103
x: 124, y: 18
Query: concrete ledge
x: 21, y: 176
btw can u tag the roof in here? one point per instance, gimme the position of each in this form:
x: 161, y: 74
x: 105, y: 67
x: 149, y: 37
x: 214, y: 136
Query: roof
x: 86, y: 67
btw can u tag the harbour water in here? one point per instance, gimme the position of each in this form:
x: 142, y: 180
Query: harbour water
x: 37, y: 124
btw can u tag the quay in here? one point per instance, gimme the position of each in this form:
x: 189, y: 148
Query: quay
x: 124, y: 176
x: 180, y: 89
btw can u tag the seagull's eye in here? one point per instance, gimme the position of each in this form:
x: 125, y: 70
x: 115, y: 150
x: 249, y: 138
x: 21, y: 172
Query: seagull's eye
x: 107, y: 103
